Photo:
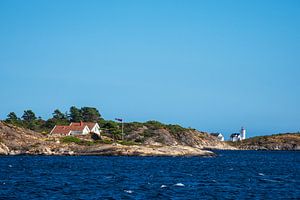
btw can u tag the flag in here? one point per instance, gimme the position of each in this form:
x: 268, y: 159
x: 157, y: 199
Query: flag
x: 118, y: 119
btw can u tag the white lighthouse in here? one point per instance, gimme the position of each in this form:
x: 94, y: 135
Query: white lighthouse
x: 243, y: 133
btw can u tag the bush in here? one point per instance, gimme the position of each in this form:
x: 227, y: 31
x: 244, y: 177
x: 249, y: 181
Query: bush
x: 71, y: 139
x: 175, y: 129
x: 128, y: 127
x: 106, y: 141
x: 89, y: 143
x: 95, y: 136
x: 154, y: 124
x: 148, y: 133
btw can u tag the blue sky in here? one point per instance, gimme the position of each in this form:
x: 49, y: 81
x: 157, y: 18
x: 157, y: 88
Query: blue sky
x: 211, y: 65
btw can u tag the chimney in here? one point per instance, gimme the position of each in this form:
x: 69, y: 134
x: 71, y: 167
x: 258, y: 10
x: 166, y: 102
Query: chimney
x: 81, y: 123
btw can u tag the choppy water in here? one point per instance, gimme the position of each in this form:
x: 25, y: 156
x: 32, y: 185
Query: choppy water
x: 231, y: 175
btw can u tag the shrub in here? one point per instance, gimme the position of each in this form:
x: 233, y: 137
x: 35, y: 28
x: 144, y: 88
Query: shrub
x: 154, y: 124
x: 71, y: 139
x: 95, y: 136
x: 107, y: 141
x: 148, y: 133
x: 89, y: 143
x: 175, y: 129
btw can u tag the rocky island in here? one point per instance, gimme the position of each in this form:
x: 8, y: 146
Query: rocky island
x: 73, y: 134
x: 284, y: 141
x: 142, y: 140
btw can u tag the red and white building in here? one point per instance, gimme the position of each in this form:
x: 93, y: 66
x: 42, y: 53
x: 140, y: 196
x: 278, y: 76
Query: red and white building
x: 80, y: 128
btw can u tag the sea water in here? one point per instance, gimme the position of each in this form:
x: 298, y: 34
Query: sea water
x: 230, y: 175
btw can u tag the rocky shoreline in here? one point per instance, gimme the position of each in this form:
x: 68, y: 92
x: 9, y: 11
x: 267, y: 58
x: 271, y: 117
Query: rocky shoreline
x: 110, y: 150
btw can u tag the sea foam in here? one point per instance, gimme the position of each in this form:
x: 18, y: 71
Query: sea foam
x: 128, y: 191
x: 179, y: 184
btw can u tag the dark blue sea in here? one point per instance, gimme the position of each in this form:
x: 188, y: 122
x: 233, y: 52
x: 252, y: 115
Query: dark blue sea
x: 230, y: 175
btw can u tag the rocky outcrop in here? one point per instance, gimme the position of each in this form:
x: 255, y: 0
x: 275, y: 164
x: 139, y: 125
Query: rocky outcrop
x: 287, y: 141
x: 15, y: 140
x: 184, y: 137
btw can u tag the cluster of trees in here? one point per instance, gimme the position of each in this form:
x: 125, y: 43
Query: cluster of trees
x: 30, y: 121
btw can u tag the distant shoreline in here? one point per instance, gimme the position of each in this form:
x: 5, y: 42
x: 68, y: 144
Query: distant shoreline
x: 276, y: 142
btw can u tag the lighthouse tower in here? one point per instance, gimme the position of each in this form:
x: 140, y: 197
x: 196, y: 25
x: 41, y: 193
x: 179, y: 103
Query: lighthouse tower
x: 243, y: 133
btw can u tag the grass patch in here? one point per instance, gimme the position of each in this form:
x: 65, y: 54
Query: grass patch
x: 89, y: 143
x: 72, y: 139
x: 44, y: 133
x: 106, y: 141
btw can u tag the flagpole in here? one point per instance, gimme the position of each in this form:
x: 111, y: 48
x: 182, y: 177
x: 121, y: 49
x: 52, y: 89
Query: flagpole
x: 122, y: 131
x: 122, y: 124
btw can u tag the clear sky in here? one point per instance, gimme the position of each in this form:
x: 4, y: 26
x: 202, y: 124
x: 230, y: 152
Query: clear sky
x: 211, y: 65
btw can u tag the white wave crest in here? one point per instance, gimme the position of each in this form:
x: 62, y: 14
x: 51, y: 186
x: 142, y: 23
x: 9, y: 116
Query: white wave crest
x: 179, y: 184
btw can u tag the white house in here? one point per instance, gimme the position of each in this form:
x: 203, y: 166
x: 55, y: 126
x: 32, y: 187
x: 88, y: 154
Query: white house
x: 238, y: 136
x: 93, y: 126
x: 218, y: 135
x: 80, y: 128
x: 235, y: 137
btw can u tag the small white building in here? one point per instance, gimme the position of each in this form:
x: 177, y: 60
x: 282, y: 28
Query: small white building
x: 235, y: 137
x: 238, y: 136
x: 218, y: 135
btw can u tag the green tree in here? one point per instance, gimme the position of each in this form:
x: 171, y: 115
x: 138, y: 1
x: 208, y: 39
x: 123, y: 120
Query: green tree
x: 12, y: 118
x: 112, y: 129
x: 49, y: 124
x: 58, y: 115
x: 30, y: 121
x: 90, y: 114
x: 111, y: 126
x: 37, y: 125
x: 58, y: 118
x: 75, y: 114
x: 29, y: 116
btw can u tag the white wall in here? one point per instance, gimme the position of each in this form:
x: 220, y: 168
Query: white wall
x: 84, y: 132
x: 96, y: 129
x: 234, y: 139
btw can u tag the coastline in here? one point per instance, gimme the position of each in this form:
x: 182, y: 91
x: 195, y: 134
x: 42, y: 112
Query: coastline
x: 113, y: 150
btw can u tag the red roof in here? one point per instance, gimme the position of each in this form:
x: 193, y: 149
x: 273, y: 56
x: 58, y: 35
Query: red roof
x: 66, y: 129
x: 72, y: 127
x: 61, y: 130
x: 89, y: 124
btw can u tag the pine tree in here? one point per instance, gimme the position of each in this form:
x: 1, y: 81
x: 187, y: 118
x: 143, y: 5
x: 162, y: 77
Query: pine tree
x: 75, y: 114
x: 28, y: 116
